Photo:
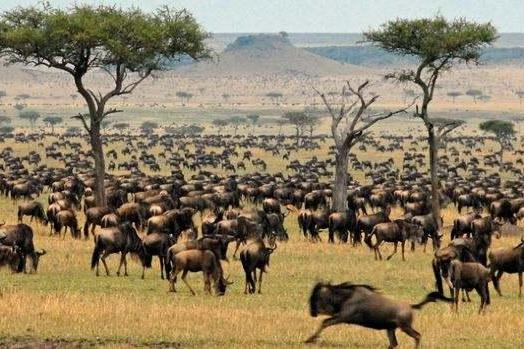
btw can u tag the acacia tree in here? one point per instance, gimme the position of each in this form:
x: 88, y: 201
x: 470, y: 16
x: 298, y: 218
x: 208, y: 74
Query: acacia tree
x: 121, y: 126
x: 520, y: 95
x: 29, y: 115
x: 438, y: 44
x: 474, y: 94
x: 5, y: 119
x: 236, y: 121
x: 52, y: 121
x: 503, y: 132
x: 349, y: 123
x: 220, y: 124
x: 254, y: 119
x: 454, y: 95
x: 2, y: 94
x: 299, y: 119
x: 148, y: 126
x: 127, y: 44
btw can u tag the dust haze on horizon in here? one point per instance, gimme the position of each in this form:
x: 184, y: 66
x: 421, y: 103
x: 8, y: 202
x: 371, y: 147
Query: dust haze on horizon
x: 309, y: 16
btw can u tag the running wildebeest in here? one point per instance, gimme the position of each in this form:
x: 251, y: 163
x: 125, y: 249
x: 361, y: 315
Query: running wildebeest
x: 255, y: 256
x: 123, y: 239
x: 362, y: 305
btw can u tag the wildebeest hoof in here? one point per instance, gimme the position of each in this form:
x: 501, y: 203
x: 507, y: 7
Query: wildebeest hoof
x: 311, y: 340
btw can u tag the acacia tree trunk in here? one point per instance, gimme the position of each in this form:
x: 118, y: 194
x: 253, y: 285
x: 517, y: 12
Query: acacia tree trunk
x: 433, y: 166
x: 98, y: 155
x: 341, y: 180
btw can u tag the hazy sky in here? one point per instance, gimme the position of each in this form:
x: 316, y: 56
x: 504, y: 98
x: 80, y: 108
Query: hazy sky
x: 322, y: 15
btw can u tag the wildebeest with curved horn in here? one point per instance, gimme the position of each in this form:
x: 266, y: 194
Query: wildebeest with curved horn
x: 123, y: 239
x: 362, y: 305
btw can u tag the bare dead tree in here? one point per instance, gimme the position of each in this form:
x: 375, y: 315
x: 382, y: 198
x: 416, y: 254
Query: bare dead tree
x: 353, y: 109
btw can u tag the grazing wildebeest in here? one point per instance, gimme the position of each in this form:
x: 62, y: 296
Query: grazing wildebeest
x: 157, y: 244
x: 21, y: 236
x: 10, y: 256
x: 123, y: 239
x: 349, y: 303
x: 397, y: 231
x: 218, y: 245
x: 507, y: 260
x: 255, y: 256
x: 34, y: 209
x: 431, y: 229
x: 503, y: 210
x: 468, y: 276
x: 94, y: 217
x: 442, y: 260
x: 196, y: 261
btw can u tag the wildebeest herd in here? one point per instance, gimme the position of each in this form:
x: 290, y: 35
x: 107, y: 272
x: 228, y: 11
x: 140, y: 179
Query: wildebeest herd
x: 189, y: 200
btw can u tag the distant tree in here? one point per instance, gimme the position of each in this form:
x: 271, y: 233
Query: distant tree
x: 437, y: 44
x: 284, y: 34
x: 184, y: 96
x: 520, y: 95
x: 454, y: 95
x: 348, y: 127
x: 5, y: 119
x: 220, y: 123
x: 19, y: 106
x: 236, y: 121
x: 105, y: 124
x: 126, y: 43
x: 254, y: 119
x: 484, y: 97
x: 23, y: 96
x: 2, y: 94
x: 503, y: 132
x: 280, y: 123
x: 474, y: 94
x: 276, y: 97
x: 120, y: 126
x: 300, y: 120
x: 225, y: 97
x: 6, y: 129
x: 148, y: 126
x: 29, y: 115
x: 52, y: 121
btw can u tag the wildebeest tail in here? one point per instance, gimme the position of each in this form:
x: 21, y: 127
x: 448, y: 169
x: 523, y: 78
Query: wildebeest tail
x: 148, y: 258
x: 431, y: 297
x: 96, y: 253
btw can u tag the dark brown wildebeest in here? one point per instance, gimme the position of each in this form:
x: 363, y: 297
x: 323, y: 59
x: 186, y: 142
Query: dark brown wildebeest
x: 195, y: 261
x: 110, y: 220
x: 429, y: 225
x: 507, y: 260
x: 462, y: 224
x: 216, y: 245
x: 341, y: 223
x: 483, y: 229
x: 348, y: 303
x: 468, y: 276
x: 503, y: 210
x: 443, y: 258
x: 366, y: 223
x: 123, y: 239
x: 67, y: 219
x: 255, y: 256
x: 10, y: 256
x: 21, y: 236
x: 34, y: 209
x: 395, y: 232
x: 94, y: 217
x: 157, y: 244
x: 134, y: 213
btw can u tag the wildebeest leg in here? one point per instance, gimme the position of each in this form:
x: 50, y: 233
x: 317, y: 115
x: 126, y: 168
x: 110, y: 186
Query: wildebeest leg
x: 377, y: 247
x: 184, y: 274
x: 120, y: 264
x: 392, y: 339
x: 520, y: 284
x: 410, y: 331
x: 496, y: 280
x: 237, y: 246
x: 481, y: 290
x: 172, y: 280
x: 260, y: 282
x: 456, y: 291
x: 394, y: 252
x: 125, y: 263
x: 207, y: 283
x: 161, y: 260
x: 103, y: 258
x: 326, y: 323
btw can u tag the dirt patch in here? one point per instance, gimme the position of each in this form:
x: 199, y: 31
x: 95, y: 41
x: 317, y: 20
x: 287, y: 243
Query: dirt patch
x: 17, y: 343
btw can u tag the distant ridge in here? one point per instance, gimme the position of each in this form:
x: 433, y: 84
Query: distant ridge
x: 267, y: 54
